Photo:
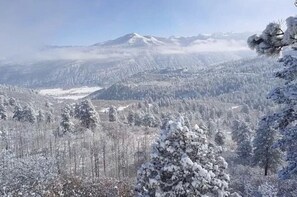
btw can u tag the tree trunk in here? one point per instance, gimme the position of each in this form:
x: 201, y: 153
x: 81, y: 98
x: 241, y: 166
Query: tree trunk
x: 266, y: 163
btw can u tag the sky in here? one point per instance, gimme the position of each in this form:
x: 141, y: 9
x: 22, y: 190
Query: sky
x: 27, y: 24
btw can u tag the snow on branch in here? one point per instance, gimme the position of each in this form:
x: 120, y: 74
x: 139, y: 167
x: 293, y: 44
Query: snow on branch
x: 273, y: 38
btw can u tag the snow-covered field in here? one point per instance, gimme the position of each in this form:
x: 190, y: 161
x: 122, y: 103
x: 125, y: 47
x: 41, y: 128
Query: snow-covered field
x: 120, y: 108
x: 74, y: 93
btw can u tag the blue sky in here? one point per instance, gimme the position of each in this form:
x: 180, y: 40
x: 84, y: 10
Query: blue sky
x: 84, y: 22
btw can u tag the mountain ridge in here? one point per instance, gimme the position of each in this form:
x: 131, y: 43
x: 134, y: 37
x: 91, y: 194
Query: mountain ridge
x: 150, y: 40
x: 112, y: 61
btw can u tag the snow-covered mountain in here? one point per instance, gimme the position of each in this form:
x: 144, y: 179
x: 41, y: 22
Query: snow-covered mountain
x: 136, y: 40
x: 133, y: 40
x: 108, y: 62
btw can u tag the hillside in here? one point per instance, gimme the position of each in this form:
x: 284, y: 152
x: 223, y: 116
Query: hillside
x: 238, y: 81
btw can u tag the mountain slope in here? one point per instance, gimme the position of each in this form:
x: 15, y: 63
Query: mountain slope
x: 105, y: 63
x: 134, y: 40
x: 239, y: 82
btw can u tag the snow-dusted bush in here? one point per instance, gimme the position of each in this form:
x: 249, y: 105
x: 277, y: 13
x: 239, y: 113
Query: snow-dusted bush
x: 28, y: 176
x: 268, y: 190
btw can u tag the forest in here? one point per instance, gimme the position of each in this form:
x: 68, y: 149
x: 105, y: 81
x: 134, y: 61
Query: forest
x: 199, y: 116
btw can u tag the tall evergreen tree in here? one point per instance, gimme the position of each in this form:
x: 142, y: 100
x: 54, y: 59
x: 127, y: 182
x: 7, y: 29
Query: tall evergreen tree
x: 3, y: 114
x: 85, y: 111
x: 220, y: 138
x: 149, y: 120
x: 40, y: 116
x: 66, y: 125
x: 265, y: 155
x: 242, y: 135
x: 48, y: 117
x: 271, y: 42
x: 183, y: 164
x: 112, y: 114
x: 130, y: 118
x: 25, y: 114
x: 29, y: 114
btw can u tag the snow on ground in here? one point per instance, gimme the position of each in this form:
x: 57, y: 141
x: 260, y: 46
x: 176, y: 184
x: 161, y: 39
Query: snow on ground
x: 235, y: 107
x: 121, y: 108
x: 73, y: 93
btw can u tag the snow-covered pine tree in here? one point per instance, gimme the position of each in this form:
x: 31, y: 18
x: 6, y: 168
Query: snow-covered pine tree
x: 211, y: 127
x: 17, y: 113
x: 66, y: 125
x: 220, y: 138
x: 271, y: 42
x: 12, y: 101
x: 3, y: 114
x: 48, y: 117
x: 138, y: 116
x: 235, y: 130
x: 273, y: 39
x: 130, y: 118
x: 265, y: 155
x: 242, y: 135
x: 183, y: 164
x: 29, y: 114
x: 25, y: 114
x: 86, y: 113
x: 112, y: 114
x: 40, y: 116
x: 149, y: 120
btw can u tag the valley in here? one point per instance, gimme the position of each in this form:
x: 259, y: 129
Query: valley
x: 90, y: 120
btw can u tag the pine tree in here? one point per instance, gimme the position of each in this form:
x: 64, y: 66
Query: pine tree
x: 18, y: 113
x: 29, y: 114
x: 25, y: 114
x: 273, y: 39
x: 12, y: 101
x: 149, y: 120
x: 265, y: 155
x: 3, y: 114
x: 112, y: 114
x: 211, y: 127
x: 130, y: 118
x: 183, y: 164
x: 86, y: 113
x: 66, y: 125
x: 285, y: 118
x: 242, y: 135
x: 137, y: 119
x: 40, y: 116
x: 271, y: 42
x: 220, y: 138
x: 48, y: 117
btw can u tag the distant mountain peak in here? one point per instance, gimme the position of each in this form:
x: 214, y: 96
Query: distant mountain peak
x: 132, y: 40
x: 133, y: 35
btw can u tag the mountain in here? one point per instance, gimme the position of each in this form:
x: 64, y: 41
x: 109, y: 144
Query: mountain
x: 136, y: 40
x: 105, y: 63
x: 133, y: 40
x: 243, y: 81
